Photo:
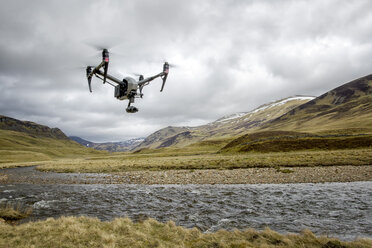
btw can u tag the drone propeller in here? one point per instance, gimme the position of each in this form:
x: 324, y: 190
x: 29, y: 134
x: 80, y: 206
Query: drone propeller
x: 172, y: 65
x: 99, y: 46
x: 140, y: 76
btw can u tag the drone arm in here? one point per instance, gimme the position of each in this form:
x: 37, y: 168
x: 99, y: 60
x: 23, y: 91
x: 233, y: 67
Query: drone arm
x: 97, y: 69
x: 149, y: 79
x: 106, y: 81
x: 113, y: 79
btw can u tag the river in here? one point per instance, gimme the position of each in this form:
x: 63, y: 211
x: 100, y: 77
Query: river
x: 342, y: 210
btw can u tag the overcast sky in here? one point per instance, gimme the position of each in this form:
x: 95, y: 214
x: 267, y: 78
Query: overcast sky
x: 232, y: 56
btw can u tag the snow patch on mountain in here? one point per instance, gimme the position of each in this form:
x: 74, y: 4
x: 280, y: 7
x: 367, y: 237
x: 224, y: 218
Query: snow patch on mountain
x: 229, y: 118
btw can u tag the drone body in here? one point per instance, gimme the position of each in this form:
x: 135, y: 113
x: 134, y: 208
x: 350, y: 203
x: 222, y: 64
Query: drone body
x: 128, y: 88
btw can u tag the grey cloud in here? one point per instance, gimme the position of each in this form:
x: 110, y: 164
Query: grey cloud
x: 232, y: 56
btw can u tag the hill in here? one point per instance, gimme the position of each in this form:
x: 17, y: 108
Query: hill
x: 31, y: 128
x: 345, y: 109
x: 121, y: 146
x: 81, y: 141
x: 338, y: 119
x: 224, y: 128
x: 24, y: 142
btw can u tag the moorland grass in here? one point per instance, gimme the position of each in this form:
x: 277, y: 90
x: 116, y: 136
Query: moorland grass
x: 296, y: 142
x: 122, y: 232
x: 14, y: 212
x: 164, y: 161
x: 265, y: 149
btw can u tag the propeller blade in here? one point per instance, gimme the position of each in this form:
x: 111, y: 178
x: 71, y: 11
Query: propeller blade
x: 140, y: 76
x: 99, y: 46
x: 75, y: 67
x: 171, y: 65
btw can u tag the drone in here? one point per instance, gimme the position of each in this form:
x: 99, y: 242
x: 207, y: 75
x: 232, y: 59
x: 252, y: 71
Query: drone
x: 128, y: 88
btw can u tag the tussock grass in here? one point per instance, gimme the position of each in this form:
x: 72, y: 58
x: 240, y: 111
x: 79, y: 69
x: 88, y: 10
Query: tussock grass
x: 122, y: 232
x: 130, y: 162
x: 14, y: 212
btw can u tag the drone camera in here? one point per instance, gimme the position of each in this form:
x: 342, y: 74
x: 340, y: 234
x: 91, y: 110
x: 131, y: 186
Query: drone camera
x: 131, y: 109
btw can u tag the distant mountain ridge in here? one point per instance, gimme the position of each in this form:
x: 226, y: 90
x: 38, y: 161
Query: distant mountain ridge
x: 120, y: 146
x: 227, y: 126
x: 346, y: 110
x: 25, y: 141
x: 31, y: 128
x: 348, y: 106
x: 81, y: 141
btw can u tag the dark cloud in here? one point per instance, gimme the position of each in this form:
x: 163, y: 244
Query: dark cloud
x: 232, y: 56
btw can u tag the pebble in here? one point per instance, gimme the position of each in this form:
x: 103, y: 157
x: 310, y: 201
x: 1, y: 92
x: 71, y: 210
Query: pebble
x: 211, y: 176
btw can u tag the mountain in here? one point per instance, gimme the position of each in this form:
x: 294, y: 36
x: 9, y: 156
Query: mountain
x: 157, y: 139
x: 81, y: 141
x: 121, y: 146
x: 225, y: 127
x: 31, y: 128
x: 339, y: 119
x: 25, y: 141
x: 345, y: 109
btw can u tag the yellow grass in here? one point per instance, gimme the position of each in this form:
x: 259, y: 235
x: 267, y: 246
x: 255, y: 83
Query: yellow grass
x: 165, y: 161
x: 14, y: 212
x: 19, y: 149
x: 122, y: 232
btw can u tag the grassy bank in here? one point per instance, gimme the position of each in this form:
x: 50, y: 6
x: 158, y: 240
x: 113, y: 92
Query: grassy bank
x: 14, y: 212
x: 122, y: 232
x: 165, y: 161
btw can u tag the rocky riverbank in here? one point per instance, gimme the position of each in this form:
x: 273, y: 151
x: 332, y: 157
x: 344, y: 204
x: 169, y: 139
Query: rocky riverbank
x: 236, y: 176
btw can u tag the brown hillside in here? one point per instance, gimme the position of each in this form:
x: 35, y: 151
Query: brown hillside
x: 31, y: 128
x: 347, y: 108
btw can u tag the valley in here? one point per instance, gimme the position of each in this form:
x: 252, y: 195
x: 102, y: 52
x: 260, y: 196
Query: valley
x: 334, y: 129
x: 321, y: 146
x: 190, y: 124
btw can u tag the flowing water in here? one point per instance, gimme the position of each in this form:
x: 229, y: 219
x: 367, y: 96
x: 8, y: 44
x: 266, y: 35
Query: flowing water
x: 342, y: 210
